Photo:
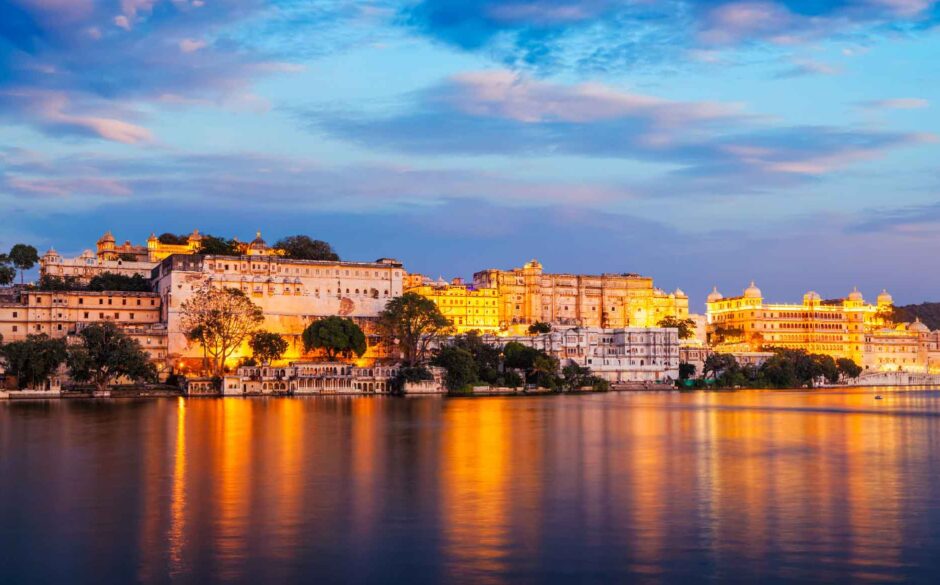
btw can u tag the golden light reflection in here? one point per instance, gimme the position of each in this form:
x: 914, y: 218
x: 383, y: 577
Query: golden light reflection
x: 233, y: 498
x: 177, y: 533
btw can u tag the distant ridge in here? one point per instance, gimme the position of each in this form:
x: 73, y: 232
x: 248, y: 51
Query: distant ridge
x: 928, y: 313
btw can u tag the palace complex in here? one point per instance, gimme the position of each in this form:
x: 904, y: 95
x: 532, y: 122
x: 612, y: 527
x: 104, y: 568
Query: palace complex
x: 528, y: 295
x: 842, y: 328
x: 468, y: 308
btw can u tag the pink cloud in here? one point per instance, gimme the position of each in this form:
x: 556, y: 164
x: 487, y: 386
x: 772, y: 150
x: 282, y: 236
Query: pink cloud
x: 191, y: 45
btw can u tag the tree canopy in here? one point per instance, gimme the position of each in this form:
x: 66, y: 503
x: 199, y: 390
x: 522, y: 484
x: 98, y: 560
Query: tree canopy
x: 267, y: 347
x: 686, y: 327
x: 110, y: 281
x: 539, y: 327
x: 173, y: 239
x: 302, y: 247
x: 106, y: 354
x: 23, y: 257
x: 412, y: 321
x: 218, y: 246
x: 7, y: 270
x: 336, y: 336
x: 220, y: 320
x: 34, y: 359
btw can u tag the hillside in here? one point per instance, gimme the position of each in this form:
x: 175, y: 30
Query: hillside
x: 928, y: 313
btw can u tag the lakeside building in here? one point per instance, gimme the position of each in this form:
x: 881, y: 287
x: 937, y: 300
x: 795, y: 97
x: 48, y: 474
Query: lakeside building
x: 291, y: 293
x: 528, y: 295
x: 468, y: 308
x: 300, y: 378
x: 619, y: 355
x: 64, y: 313
x: 842, y: 328
x: 88, y: 265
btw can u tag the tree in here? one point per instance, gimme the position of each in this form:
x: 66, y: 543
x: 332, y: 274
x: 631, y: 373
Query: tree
x: 7, y: 271
x: 686, y: 371
x: 848, y: 368
x: 218, y: 246
x: 413, y: 322
x: 107, y: 354
x: 34, y: 359
x: 305, y: 248
x: 686, y: 327
x: 173, y: 239
x: 539, y: 367
x: 487, y: 357
x: 718, y: 363
x: 220, y: 320
x: 336, y: 336
x: 23, y: 257
x: 460, y: 366
x: 539, y: 327
x: 110, y: 281
x: 267, y: 346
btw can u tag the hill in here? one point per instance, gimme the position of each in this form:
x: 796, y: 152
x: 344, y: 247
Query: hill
x: 928, y: 313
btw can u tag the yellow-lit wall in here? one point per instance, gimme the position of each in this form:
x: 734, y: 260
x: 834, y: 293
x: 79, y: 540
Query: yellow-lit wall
x: 467, y: 308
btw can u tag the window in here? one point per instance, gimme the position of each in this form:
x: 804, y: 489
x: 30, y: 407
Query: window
x: 109, y: 301
x: 131, y: 315
x: 117, y: 315
x: 138, y: 302
x: 14, y: 314
x: 86, y: 314
x: 14, y: 329
x: 81, y: 301
x: 100, y: 301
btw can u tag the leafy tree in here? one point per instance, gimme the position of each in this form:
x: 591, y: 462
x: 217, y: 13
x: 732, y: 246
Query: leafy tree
x: 460, y: 366
x: 173, y: 239
x: 486, y: 356
x: 409, y: 374
x: 128, y: 257
x: 49, y: 282
x: 220, y: 320
x: 539, y: 367
x: 106, y: 354
x: 848, y: 368
x: 34, y: 359
x: 686, y: 327
x: 267, y: 346
x: 218, y: 246
x: 336, y: 336
x: 718, y: 363
x: 686, y: 371
x: 412, y: 321
x: 110, y: 281
x: 539, y: 327
x: 23, y: 257
x: 305, y: 248
x: 7, y: 271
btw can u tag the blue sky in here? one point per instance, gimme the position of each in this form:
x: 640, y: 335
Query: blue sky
x: 794, y: 142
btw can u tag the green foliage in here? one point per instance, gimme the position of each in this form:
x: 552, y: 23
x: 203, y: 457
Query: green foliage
x: 336, y: 336
x: 928, y: 313
x: 54, y: 283
x: 7, y: 271
x: 34, y: 359
x: 110, y: 281
x: 105, y: 354
x: 848, y: 368
x: 409, y: 374
x: 218, y: 246
x: 460, y: 365
x: 23, y: 257
x: 267, y: 347
x: 540, y: 368
x: 173, y: 239
x: 539, y: 327
x: 723, y: 334
x: 686, y: 371
x: 686, y: 327
x: 787, y: 368
x: 220, y: 320
x: 486, y: 357
x: 412, y: 321
x: 305, y: 248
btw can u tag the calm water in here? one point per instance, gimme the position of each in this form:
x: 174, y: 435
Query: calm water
x: 781, y: 486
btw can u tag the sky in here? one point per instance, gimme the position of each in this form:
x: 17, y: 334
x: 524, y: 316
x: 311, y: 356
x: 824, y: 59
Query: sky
x: 703, y: 143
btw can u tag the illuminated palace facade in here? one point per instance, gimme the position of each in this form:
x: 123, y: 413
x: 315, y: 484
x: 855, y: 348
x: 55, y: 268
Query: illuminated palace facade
x: 528, y: 295
x: 841, y: 328
x: 128, y: 259
x: 467, y: 307
x: 291, y: 293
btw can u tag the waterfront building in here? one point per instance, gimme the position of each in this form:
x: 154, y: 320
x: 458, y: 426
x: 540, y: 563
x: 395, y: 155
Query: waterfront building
x: 88, y: 265
x: 468, y: 308
x: 619, y: 355
x: 842, y: 328
x: 528, y: 295
x: 64, y: 313
x: 299, y: 378
x: 291, y: 293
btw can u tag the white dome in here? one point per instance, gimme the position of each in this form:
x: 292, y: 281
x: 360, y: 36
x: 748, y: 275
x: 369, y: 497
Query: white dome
x: 918, y: 326
x: 679, y: 292
x: 855, y: 295
x: 885, y: 299
x: 812, y: 296
x: 752, y: 292
x: 714, y: 295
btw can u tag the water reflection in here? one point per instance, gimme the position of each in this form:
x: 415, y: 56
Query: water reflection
x: 663, y: 487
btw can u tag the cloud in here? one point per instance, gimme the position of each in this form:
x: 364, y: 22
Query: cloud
x: 706, y: 144
x: 547, y: 33
x: 896, y: 104
x: 808, y: 68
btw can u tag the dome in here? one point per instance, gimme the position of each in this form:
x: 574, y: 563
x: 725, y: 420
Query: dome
x: 885, y: 299
x: 88, y: 254
x: 855, y: 295
x: 812, y: 296
x: 107, y: 237
x: 258, y: 242
x: 752, y: 292
x: 918, y: 326
x: 195, y: 236
x: 680, y: 293
x: 52, y: 253
x: 714, y: 295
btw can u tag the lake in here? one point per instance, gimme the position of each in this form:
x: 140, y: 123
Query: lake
x: 647, y: 487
